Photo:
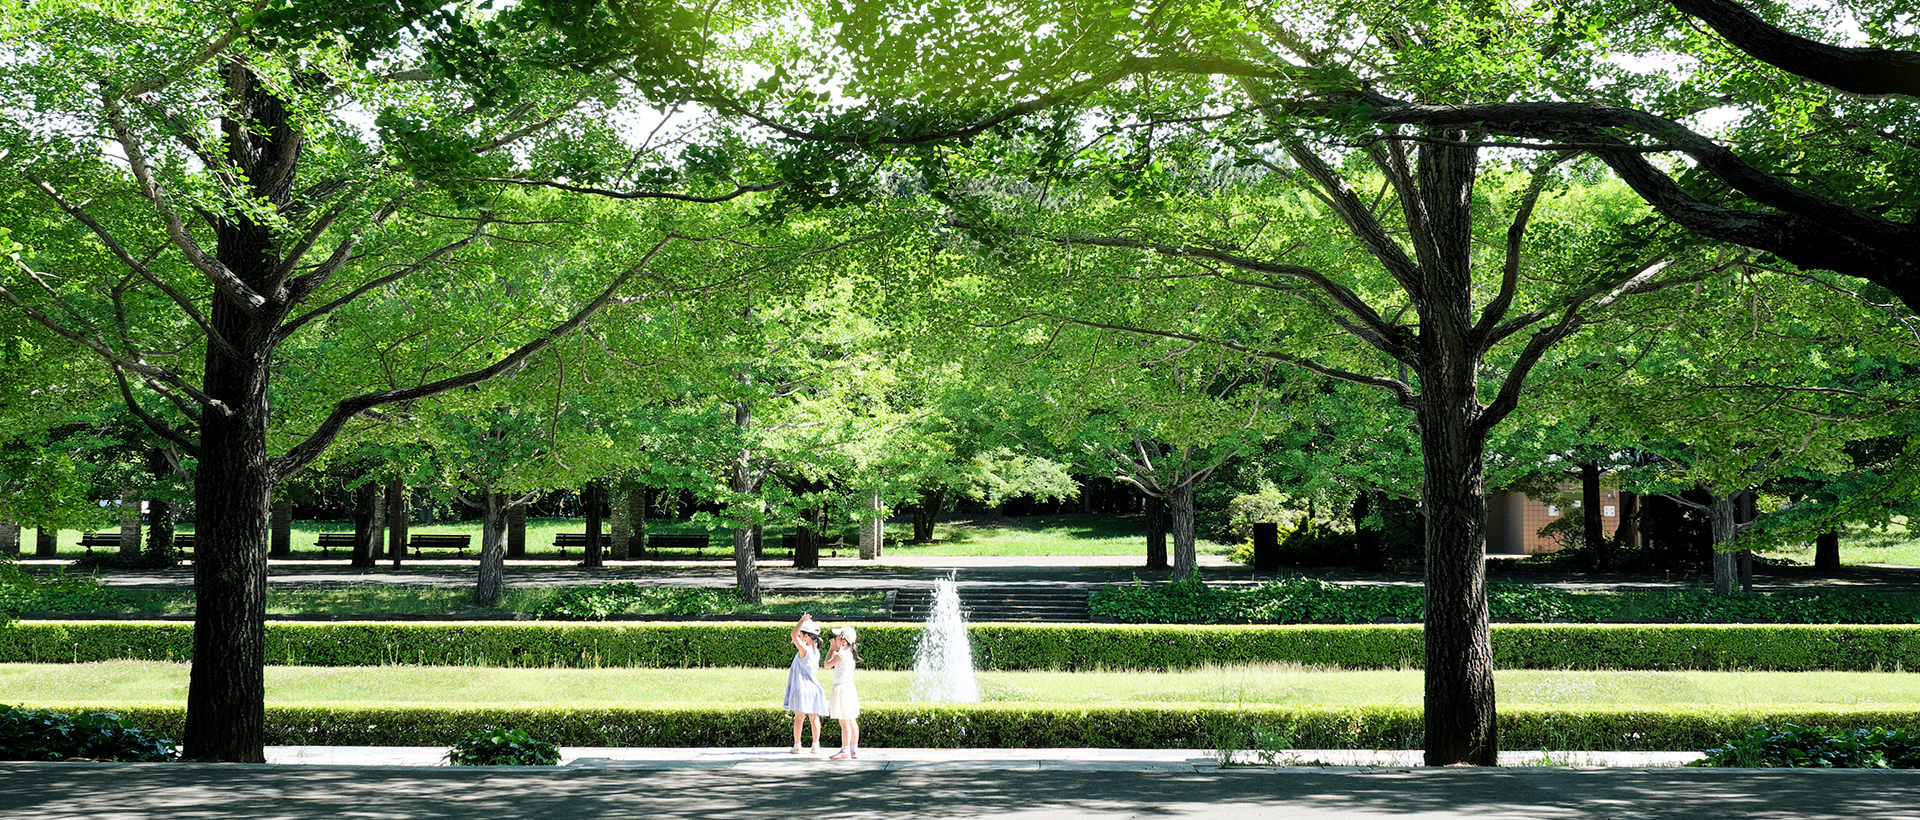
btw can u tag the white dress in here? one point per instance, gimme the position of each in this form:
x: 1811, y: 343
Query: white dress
x: 843, y: 701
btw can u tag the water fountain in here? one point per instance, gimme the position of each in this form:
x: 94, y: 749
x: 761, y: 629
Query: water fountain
x: 943, y: 659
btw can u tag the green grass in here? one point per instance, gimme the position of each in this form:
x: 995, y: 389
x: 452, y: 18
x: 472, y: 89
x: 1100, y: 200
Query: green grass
x: 1861, y: 544
x: 386, y: 599
x: 1269, y: 685
x: 1036, y: 535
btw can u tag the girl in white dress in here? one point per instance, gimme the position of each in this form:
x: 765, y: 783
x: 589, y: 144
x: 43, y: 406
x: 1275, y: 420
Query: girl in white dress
x: 843, y: 701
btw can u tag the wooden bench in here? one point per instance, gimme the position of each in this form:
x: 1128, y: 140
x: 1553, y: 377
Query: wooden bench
x: 440, y: 542
x: 696, y: 543
x: 328, y: 540
x: 184, y: 542
x: 579, y: 540
x: 100, y: 539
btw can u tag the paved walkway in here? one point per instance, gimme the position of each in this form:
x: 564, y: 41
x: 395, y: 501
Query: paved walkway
x: 747, y: 784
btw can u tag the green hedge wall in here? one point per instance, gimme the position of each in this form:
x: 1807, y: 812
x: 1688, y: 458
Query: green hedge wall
x: 1022, y: 726
x: 1788, y: 647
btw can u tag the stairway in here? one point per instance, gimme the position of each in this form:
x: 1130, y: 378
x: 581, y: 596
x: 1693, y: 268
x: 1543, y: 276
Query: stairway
x: 996, y: 603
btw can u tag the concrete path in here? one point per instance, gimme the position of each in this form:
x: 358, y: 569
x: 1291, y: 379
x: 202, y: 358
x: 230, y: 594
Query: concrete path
x: 944, y: 789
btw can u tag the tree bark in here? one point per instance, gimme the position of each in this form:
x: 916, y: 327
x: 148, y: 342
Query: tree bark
x: 1826, y: 551
x: 1180, y: 514
x: 46, y: 542
x: 1723, y: 517
x: 926, y: 512
x: 10, y: 538
x: 873, y: 530
x: 593, y: 499
x: 1627, y: 535
x: 367, y: 520
x: 130, y: 523
x: 517, y: 531
x: 280, y: 526
x: 491, y: 584
x: 1592, y: 529
x: 397, y: 514
x: 620, y: 521
x: 637, y: 510
x: 806, y: 546
x: 160, y: 526
x: 1157, y: 525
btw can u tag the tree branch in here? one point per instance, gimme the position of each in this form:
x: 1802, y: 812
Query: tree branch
x: 1868, y: 71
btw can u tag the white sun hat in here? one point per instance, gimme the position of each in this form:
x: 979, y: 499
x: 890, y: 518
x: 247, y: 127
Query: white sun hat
x: 845, y: 633
x: 811, y: 627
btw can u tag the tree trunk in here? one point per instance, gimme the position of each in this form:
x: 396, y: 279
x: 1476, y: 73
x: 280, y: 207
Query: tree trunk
x: 397, y: 514
x: 46, y: 542
x: 493, y: 550
x: 620, y: 521
x: 280, y: 526
x: 1592, y: 530
x: 1366, y: 538
x: 1460, y: 714
x: 10, y: 538
x: 1157, y: 525
x: 517, y: 531
x: 1723, y: 516
x: 1186, y: 560
x: 367, y: 519
x: 927, y: 512
x: 637, y: 511
x: 1627, y: 535
x: 160, y: 526
x: 593, y: 500
x: 129, y: 523
x: 1826, y: 551
x: 873, y: 530
x: 806, y: 547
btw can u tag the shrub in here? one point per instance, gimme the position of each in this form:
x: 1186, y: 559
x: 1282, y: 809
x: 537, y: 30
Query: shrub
x: 494, y: 746
x: 596, y: 603
x: 1029, y: 726
x: 1791, y: 746
x: 21, y: 591
x: 1008, y: 646
x: 41, y: 734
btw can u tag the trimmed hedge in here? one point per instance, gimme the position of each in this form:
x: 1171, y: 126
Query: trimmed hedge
x: 1019, y: 726
x: 997, y: 646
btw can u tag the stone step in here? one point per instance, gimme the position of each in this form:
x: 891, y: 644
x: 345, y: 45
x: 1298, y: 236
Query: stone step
x: 1010, y: 603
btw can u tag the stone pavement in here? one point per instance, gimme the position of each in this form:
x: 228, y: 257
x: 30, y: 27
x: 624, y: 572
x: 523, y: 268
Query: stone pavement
x: 747, y: 784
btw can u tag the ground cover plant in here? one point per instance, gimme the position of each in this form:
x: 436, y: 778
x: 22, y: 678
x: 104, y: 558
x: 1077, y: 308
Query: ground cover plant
x: 1309, y: 600
x: 1790, y: 746
x: 44, y: 734
x: 377, y: 600
x: 494, y: 746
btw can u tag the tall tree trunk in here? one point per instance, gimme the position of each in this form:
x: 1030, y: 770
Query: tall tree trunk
x: 806, y: 545
x: 9, y: 538
x: 1366, y: 538
x: 130, y: 523
x: 1627, y: 535
x: 491, y: 584
x: 1826, y: 551
x: 637, y: 510
x: 280, y: 527
x: 1460, y: 714
x: 873, y: 531
x: 367, y: 519
x: 926, y: 512
x: 1592, y: 530
x: 397, y: 515
x: 745, y: 482
x: 594, y: 502
x: 517, y: 531
x: 160, y: 526
x: 46, y: 542
x: 1157, y: 526
x: 1723, y: 517
x: 620, y: 521
x: 1180, y: 514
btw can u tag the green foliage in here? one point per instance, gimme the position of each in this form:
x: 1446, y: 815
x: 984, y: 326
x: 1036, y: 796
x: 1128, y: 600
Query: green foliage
x: 1002, y: 646
x: 43, y: 734
x: 1310, y: 600
x: 1791, y: 746
x: 494, y: 746
x: 21, y: 591
x: 596, y: 603
x: 1026, y: 726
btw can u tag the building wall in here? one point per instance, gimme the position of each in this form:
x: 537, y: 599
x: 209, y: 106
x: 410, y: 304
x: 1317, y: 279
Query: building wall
x: 1514, y: 520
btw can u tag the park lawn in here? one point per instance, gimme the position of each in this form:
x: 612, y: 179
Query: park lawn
x: 155, y: 682
x: 1034, y: 535
x: 1862, y: 544
x: 389, y: 599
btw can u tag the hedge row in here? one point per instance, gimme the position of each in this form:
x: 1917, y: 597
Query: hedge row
x: 1777, y: 647
x: 1019, y: 726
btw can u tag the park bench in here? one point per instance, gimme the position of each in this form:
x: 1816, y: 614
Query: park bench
x: 328, y: 540
x: 440, y: 542
x: 100, y: 539
x: 579, y: 540
x: 657, y: 543
x: 830, y: 546
x: 183, y: 542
